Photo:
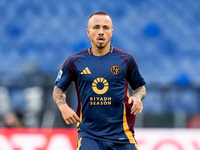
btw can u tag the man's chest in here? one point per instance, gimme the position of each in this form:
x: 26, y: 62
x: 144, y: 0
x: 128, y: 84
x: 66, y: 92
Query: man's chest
x: 113, y: 69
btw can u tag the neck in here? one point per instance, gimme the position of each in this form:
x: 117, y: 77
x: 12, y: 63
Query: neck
x: 100, y: 51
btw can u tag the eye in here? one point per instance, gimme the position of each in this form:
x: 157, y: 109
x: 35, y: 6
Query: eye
x: 96, y: 27
x: 105, y: 27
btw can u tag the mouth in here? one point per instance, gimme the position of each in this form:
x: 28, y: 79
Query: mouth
x: 100, y: 39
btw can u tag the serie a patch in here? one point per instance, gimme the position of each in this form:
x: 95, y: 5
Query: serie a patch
x: 59, y: 75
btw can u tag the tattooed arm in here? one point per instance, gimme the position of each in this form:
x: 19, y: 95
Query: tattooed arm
x: 68, y: 114
x: 136, y: 99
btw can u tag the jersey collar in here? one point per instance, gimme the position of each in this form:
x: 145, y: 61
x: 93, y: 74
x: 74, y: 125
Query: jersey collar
x: 89, y: 50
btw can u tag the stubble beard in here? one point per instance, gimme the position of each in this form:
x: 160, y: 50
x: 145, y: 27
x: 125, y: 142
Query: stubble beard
x: 101, y: 45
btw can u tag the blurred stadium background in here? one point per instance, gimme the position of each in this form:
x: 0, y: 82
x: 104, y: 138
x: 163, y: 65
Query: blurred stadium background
x: 37, y: 36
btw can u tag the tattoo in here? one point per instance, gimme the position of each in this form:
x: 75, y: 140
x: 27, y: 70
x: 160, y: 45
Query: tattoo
x: 59, y: 96
x: 140, y: 93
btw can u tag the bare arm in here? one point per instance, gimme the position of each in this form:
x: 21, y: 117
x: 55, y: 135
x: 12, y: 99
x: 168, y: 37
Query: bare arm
x: 68, y: 114
x: 138, y: 95
x: 59, y: 96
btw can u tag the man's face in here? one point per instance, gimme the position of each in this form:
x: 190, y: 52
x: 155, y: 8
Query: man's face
x: 100, y: 30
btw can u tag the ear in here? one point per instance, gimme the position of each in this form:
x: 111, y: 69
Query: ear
x: 88, y: 32
x: 112, y: 31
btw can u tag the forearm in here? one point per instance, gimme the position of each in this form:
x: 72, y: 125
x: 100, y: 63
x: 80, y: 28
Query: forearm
x: 68, y: 114
x: 59, y: 97
x: 140, y: 93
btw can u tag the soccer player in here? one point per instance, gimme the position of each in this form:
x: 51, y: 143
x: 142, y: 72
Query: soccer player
x: 106, y: 112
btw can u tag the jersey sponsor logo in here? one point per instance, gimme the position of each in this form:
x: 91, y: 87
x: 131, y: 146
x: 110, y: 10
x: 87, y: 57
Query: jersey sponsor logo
x: 100, y: 85
x: 100, y: 100
x: 115, y: 69
x: 59, y: 75
x: 86, y: 71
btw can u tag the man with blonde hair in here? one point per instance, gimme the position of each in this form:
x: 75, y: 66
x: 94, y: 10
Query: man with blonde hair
x: 106, y: 112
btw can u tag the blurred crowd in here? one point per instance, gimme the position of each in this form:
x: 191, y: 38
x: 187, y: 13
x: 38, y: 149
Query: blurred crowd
x: 37, y: 36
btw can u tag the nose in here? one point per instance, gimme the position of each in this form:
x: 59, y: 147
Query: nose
x: 101, y: 31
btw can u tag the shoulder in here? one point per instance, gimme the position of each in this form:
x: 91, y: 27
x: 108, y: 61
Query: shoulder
x: 79, y: 54
x: 72, y: 58
x: 124, y: 54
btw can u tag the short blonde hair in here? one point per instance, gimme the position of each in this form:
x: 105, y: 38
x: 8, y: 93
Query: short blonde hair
x: 99, y: 13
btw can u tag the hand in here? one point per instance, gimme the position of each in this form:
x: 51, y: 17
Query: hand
x: 137, y: 105
x: 69, y: 115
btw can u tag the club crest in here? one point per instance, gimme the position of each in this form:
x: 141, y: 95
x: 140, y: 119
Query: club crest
x: 115, y: 69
